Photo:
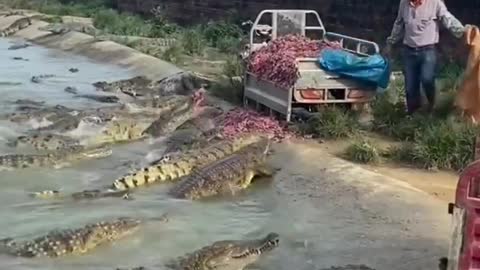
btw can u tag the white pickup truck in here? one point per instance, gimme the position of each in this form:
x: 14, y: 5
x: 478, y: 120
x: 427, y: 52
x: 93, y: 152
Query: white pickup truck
x: 315, y: 86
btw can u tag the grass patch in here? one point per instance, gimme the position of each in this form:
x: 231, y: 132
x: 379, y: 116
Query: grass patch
x: 362, y: 151
x: 192, y: 41
x: 446, y: 144
x: 222, y: 35
x: 112, y: 22
x: 172, y: 54
x: 228, y: 89
x: 332, y: 123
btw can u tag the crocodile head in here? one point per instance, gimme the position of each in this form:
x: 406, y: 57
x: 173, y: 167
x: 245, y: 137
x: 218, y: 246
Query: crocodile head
x: 102, y: 232
x: 230, y: 254
x: 167, y: 123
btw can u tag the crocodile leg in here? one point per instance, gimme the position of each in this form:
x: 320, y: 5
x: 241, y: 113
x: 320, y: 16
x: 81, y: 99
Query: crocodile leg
x: 265, y: 170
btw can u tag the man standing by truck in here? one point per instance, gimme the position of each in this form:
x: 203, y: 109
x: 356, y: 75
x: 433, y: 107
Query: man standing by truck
x: 417, y: 23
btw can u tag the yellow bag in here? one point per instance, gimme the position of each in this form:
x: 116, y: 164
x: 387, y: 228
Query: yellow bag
x: 468, y: 96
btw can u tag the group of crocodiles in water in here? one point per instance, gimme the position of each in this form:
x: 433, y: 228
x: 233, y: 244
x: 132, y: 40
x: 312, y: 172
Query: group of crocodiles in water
x: 197, y: 158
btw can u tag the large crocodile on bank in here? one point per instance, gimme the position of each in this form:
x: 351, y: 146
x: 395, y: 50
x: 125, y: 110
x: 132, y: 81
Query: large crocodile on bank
x: 16, y: 26
x: 184, y: 164
x: 223, y: 255
x: 78, y: 241
x: 226, y: 176
x: 65, y: 27
x: 182, y: 83
x: 56, y: 159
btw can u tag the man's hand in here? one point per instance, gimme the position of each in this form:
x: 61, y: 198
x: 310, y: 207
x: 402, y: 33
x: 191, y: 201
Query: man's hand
x: 387, y: 51
x: 466, y: 27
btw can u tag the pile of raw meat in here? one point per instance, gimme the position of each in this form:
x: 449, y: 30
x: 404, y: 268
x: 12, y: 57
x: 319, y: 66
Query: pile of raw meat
x: 276, y: 61
x: 239, y: 121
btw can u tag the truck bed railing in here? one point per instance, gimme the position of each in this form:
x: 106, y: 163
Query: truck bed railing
x: 361, y: 46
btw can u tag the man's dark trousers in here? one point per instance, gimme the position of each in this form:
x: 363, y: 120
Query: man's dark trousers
x: 419, y: 70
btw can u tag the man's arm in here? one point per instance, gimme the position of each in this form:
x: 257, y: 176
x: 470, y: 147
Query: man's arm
x: 398, y: 27
x: 449, y: 21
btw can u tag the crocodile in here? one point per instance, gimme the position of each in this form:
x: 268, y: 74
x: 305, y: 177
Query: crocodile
x: 131, y: 126
x: 183, y: 165
x: 81, y: 195
x: 73, y: 70
x: 27, y: 101
x: 19, y: 46
x: 39, y: 78
x: 124, y: 86
x: 18, y: 58
x: 65, y: 123
x: 65, y: 27
x: 160, y: 105
x: 187, y: 139
x: 16, y: 26
x: 43, y: 142
x: 56, y: 159
x: 58, y: 243
x: 99, y: 98
x: 71, y: 90
x: 182, y: 83
x: 223, y: 255
x: 26, y: 113
x: 122, y: 39
x: 228, y: 175
x: 123, y: 129
x: 167, y: 123
x: 12, y: 13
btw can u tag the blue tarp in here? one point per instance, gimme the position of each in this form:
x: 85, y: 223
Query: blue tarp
x: 373, y: 70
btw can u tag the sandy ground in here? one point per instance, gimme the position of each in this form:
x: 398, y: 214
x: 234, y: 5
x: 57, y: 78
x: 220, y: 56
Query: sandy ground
x: 440, y: 184
x: 351, y: 213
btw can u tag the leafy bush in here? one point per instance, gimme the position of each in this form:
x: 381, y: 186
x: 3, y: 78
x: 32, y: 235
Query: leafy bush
x: 217, y: 32
x: 228, y: 89
x: 362, y: 151
x: 446, y: 145
x: 230, y: 45
x: 120, y: 24
x: 172, y: 54
x: 192, y: 41
x: 332, y: 123
x: 233, y: 67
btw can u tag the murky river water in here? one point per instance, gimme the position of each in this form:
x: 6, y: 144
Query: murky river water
x: 192, y: 224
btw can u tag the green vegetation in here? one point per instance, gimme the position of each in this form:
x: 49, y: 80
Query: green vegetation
x: 332, y: 123
x: 230, y: 86
x: 362, y: 151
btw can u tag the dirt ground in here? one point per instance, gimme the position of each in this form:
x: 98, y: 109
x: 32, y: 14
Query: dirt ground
x: 439, y: 184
